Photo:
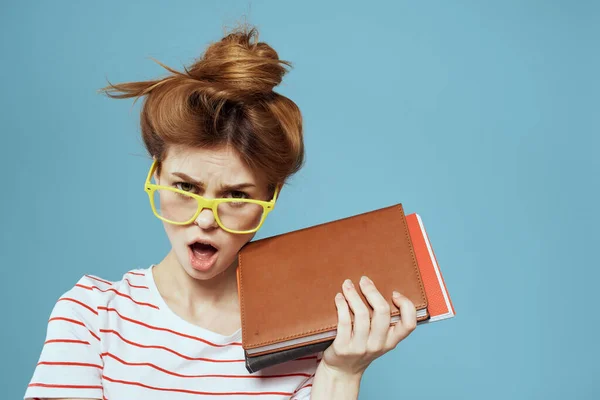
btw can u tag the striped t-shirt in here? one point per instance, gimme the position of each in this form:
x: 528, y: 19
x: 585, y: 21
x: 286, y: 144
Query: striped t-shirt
x: 120, y: 341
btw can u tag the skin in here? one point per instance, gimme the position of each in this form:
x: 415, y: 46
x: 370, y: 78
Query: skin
x: 209, y: 298
x: 206, y: 298
x: 339, y: 374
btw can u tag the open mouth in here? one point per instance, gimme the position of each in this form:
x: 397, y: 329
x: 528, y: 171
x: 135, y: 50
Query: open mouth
x: 202, y: 255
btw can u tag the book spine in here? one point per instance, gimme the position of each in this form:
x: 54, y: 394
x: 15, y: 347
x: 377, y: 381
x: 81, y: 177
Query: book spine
x: 256, y: 363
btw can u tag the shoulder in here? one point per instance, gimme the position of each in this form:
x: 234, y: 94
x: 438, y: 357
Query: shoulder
x: 92, y: 294
x: 103, y: 288
x: 71, y: 362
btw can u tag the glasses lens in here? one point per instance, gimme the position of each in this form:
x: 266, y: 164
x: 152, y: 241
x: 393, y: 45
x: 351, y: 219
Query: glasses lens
x: 240, y: 215
x: 175, y: 207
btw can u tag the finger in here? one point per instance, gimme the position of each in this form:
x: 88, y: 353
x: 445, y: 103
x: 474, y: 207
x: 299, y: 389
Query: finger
x: 360, y: 332
x: 344, y: 326
x: 380, y: 320
x: 407, y: 322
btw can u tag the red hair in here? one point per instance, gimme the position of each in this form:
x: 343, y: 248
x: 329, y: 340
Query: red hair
x: 225, y: 98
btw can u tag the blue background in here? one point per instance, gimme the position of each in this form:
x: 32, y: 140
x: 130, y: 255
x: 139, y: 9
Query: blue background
x: 481, y: 116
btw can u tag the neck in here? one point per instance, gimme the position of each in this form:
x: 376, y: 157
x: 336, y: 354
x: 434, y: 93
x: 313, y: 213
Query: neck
x: 220, y: 290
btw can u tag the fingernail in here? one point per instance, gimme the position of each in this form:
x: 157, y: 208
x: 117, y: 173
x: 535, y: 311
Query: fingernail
x: 339, y: 296
x: 396, y: 294
x: 364, y: 279
x: 348, y: 283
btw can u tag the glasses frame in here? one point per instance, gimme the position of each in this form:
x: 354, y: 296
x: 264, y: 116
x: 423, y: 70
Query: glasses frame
x: 203, y: 203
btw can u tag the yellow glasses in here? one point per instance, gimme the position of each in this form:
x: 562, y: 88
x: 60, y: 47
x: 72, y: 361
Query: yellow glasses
x: 178, y: 207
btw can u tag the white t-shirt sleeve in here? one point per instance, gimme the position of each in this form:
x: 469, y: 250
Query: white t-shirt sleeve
x: 70, y: 365
x: 303, y: 390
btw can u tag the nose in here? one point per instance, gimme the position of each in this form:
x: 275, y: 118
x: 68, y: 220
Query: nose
x: 206, y: 219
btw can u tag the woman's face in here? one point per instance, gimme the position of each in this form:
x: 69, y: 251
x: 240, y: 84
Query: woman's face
x: 203, y: 248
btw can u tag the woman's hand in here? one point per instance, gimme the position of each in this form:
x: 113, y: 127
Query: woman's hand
x: 355, y: 347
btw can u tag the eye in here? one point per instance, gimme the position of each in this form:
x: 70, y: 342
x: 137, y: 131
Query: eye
x: 185, y: 186
x: 238, y: 194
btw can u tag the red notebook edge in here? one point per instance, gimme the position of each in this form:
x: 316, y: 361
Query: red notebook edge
x: 440, y: 304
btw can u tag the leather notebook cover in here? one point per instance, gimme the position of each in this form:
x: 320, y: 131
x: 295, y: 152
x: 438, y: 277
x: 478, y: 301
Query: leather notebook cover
x: 287, y: 282
x: 439, y: 304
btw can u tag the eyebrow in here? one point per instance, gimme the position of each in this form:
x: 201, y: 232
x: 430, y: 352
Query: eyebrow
x: 237, y: 186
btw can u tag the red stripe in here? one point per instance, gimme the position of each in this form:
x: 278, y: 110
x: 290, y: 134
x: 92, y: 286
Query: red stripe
x: 74, y: 322
x: 49, y: 385
x: 156, y: 328
x: 70, y: 364
x: 94, y: 335
x: 66, y: 341
x: 305, y: 386
x: 135, y: 273
x: 78, y: 302
x: 99, y: 280
x: 154, y: 366
x: 135, y: 286
x: 117, y: 293
x: 195, y: 392
x: 144, y: 346
x: 112, y: 283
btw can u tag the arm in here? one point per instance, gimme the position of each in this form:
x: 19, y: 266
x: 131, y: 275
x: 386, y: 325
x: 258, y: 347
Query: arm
x: 70, y: 365
x: 339, y: 374
x: 329, y: 382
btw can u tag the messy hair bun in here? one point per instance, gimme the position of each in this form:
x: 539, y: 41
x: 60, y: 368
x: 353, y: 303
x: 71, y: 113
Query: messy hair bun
x: 225, y: 97
x: 239, y: 67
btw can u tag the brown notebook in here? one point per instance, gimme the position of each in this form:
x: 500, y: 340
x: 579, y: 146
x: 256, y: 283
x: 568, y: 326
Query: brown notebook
x: 287, y: 282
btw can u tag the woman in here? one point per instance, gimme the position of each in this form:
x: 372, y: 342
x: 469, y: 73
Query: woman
x: 223, y: 144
